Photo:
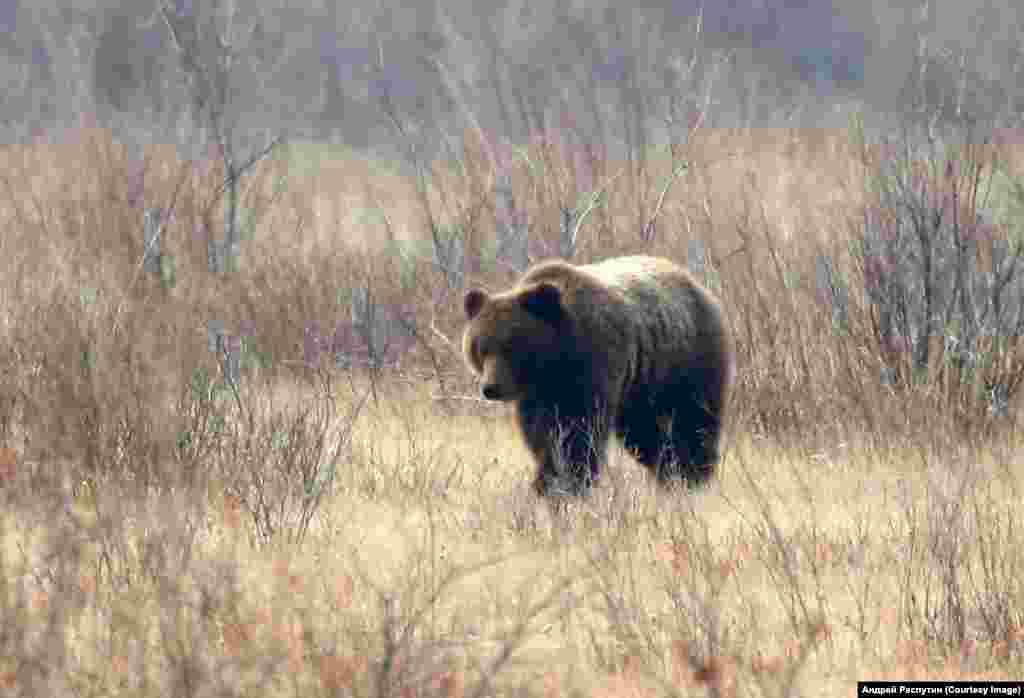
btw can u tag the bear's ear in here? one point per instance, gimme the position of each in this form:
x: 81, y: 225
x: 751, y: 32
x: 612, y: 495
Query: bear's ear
x: 474, y: 302
x: 544, y: 301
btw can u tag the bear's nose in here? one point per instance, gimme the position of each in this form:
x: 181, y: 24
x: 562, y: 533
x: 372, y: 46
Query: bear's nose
x: 492, y: 392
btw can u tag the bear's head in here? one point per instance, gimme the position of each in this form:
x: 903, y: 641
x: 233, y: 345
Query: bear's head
x: 512, y: 342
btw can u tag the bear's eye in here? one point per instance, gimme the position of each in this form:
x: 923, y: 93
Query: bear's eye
x: 491, y: 347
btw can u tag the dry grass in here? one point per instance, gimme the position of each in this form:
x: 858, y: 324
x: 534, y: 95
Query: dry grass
x: 853, y: 534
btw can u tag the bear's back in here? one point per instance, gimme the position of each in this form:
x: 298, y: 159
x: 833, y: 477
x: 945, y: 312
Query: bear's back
x: 650, y: 300
x: 636, y: 278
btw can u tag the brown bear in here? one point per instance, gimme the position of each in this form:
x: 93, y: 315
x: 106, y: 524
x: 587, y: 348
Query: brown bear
x: 633, y: 345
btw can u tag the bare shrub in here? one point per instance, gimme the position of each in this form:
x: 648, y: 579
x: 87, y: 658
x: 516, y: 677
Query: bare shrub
x: 280, y: 466
x: 960, y: 588
x: 943, y: 277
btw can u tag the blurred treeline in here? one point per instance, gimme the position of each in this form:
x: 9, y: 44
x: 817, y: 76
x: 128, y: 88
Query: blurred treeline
x: 321, y: 69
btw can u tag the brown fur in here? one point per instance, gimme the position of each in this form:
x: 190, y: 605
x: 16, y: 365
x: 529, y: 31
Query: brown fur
x: 633, y: 346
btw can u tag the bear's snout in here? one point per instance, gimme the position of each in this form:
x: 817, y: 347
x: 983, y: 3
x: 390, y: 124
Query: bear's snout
x: 492, y: 391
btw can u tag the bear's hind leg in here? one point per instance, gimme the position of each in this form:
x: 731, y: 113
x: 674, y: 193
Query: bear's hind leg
x: 676, y: 446
x: 645, y: 439
x: 694, y: 437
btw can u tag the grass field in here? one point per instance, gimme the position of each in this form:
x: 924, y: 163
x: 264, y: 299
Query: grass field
x: 165, y: 536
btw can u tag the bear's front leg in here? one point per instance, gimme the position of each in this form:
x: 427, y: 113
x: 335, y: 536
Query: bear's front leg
x: 569, y: 450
